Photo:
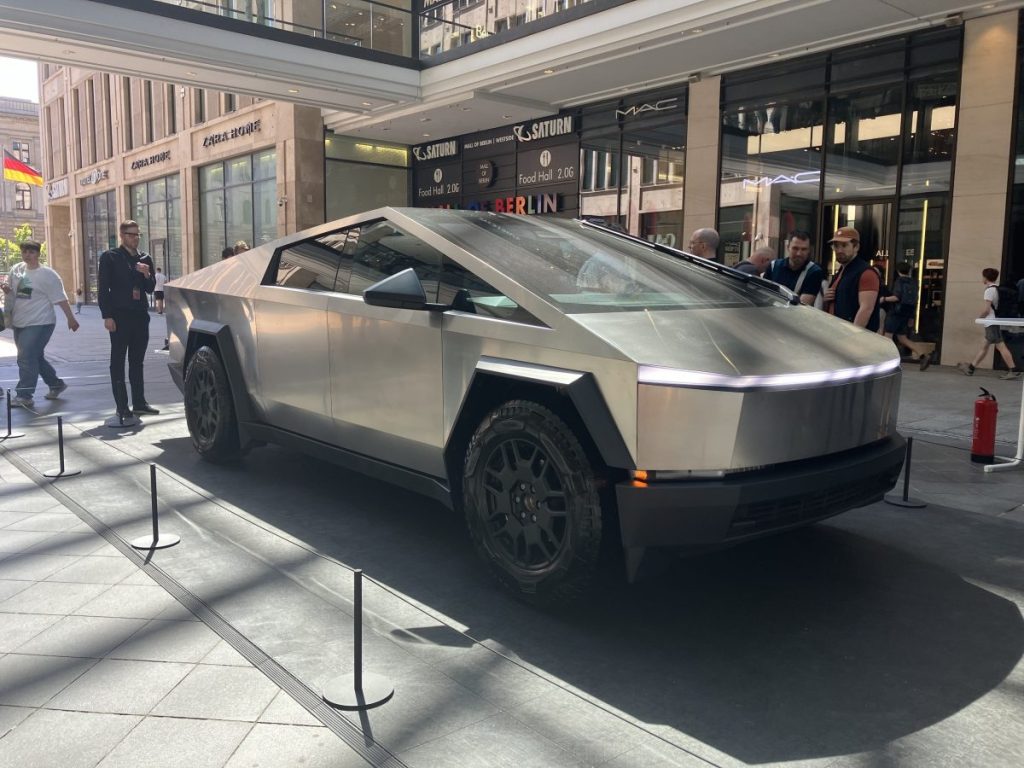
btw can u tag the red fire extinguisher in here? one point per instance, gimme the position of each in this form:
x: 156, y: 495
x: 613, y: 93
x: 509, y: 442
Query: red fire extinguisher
x: 983, y: 444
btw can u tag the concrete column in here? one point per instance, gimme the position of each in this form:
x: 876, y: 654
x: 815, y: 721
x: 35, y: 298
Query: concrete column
x: 981, y: 176
x: 703, y: 128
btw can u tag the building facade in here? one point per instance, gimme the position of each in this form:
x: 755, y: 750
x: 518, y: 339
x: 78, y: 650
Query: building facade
x: 20, y: 203
x: 198, y: 169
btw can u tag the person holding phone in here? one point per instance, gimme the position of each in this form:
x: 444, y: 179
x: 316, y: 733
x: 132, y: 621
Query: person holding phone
x: 126, y: 276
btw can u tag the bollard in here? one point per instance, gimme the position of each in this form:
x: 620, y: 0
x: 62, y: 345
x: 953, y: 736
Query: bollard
x: 156, y: 541
x: 905, y: 500
x: 10, y: 435
x: 358, y: 691
x: 62, y: 472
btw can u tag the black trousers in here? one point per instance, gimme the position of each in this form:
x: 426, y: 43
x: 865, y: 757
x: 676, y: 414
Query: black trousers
x: 131, y: 338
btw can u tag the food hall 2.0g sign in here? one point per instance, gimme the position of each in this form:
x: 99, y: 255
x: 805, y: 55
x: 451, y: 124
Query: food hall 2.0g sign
x: 438, y: 181
x: 545, y: 167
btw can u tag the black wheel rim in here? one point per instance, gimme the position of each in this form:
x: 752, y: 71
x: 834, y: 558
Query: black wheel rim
x: 524, y: 505
x: 204, y: 406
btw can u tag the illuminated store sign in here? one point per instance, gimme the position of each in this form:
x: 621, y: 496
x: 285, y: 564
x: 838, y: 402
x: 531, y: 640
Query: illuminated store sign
x: 544, y: 129
x: 159, y: 157
x: 805, y: 177
x: 94, y: 177
x: 237, y: 132
x: 662, y: 105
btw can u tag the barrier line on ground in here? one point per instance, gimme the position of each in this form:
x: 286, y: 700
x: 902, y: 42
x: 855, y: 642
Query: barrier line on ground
x: 348, y: 732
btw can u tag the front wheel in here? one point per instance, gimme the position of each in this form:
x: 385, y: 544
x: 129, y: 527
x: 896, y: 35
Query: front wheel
x: 209, y: 409
x: 533, y: 503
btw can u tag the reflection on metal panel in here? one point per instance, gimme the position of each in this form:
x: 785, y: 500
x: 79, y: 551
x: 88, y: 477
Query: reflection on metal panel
x: 739, y: 430
x: 385, y: 368
x: 293, y: 372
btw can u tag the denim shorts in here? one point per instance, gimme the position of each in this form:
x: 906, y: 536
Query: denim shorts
x: 993, y: 334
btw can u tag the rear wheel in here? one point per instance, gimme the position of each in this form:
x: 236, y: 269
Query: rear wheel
x: 209, y: 409
x: 533, y: 503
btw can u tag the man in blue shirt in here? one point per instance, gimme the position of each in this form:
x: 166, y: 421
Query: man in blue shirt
x: 796, y: 271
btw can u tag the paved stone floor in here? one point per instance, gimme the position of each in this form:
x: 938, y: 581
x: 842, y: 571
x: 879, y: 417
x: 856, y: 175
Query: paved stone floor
x: 883, y: 637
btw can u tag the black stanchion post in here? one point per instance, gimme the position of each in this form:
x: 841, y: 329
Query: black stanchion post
x: 155, y: 541
x: 358, y: 691
x: 10, y: 435
x: 905, y: 500
x: 62, y: 472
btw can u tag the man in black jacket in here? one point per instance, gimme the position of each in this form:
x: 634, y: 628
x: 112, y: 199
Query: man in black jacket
x: 126, y: 275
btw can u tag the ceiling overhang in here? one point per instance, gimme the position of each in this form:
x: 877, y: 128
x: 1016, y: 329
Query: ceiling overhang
x: 630, y: 48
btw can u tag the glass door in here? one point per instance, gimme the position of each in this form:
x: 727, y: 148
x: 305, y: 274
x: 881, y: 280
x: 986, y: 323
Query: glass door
x: 874, y: 222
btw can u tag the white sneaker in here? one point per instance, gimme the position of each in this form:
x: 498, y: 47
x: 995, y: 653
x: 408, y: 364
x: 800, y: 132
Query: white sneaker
x: 54, y: 392
x: 21, y: 401
x: 1008, y: 375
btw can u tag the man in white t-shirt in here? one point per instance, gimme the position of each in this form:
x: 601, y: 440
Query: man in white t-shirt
x: 158, y: 292
x: 993, y: 334
x: 31, y: 292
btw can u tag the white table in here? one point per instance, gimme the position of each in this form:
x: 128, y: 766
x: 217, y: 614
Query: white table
x: 1018, y: 457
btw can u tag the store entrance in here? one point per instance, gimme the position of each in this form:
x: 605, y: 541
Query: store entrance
x: 874, y: 222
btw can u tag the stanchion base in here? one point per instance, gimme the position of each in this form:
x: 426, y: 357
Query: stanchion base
x: 62, y: 472
x: 1009, y: 464
x: 123, y: 422
x: 11, y: 436
x: 341, y: 692
x: 898, y: 501
x: 165, y: 540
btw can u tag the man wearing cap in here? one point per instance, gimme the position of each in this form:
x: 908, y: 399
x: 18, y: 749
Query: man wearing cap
x: 853, y: 292
x: 30, y: 295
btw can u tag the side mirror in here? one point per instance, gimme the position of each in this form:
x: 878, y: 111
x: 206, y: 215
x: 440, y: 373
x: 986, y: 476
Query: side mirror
x: 402, y: 290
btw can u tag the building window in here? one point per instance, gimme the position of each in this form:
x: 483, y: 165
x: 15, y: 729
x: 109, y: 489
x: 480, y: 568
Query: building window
x: 172, y: 110
x: 156, y: 205
x: 147, y: 112
x: 198, y: 106
x: 22, y: 150
x: 230, y: 103
x: 238, y: 201
x: 22, y: 197
x: 363, y: 175
x: 126, y: 121
x: 99, y: 233
x: 107, y: 110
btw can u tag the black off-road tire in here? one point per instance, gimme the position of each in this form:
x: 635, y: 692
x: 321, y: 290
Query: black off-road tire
x: 533, y: 503
x: 209, y: 408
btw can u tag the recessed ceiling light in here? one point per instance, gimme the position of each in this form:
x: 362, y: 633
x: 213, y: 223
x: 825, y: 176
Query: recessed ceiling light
x: 293, y: 90
x: 191, y: 74
x: 988, y: 7
x: 426, y: 135
x: 506, y: 117
x: 773, y: 55
x: 697, y: 30
x: 424, y: 119
x: 367, y: 104
x: 549, y: 71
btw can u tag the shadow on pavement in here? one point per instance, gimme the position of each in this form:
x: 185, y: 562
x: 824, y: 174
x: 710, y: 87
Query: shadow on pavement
x: 828, y: 641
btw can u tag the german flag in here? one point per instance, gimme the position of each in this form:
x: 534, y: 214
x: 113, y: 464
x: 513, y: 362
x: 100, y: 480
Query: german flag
x: 15, y: 170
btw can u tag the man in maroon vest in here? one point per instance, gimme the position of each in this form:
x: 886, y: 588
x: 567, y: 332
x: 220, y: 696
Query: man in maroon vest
x: 853, y: 292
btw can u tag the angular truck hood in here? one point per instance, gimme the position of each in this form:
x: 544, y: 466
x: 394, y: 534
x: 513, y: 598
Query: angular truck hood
x: 748, y: 341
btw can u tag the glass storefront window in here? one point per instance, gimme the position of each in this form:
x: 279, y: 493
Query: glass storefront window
x: 156, y: 205
x: 771, y: 175
x: 863, y: 152
x: 237, y: 201
x: 99, y: 234
x: 928, y: 143
x: 361, y: 175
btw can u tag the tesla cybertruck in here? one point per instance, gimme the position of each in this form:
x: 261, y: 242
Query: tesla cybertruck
x: 579, y: 395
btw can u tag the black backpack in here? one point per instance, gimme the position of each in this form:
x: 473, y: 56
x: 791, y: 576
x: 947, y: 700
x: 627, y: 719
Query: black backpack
x: 1007, y: 304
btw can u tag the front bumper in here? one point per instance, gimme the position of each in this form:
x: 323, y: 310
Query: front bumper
x: 703, y: 513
